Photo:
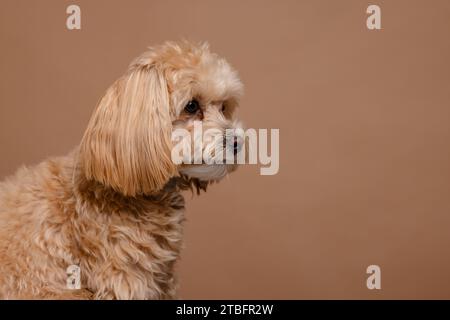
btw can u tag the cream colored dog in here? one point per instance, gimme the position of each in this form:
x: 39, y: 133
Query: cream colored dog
x: 113, y: 207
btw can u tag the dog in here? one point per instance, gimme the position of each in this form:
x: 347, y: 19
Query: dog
x: 113, y: 207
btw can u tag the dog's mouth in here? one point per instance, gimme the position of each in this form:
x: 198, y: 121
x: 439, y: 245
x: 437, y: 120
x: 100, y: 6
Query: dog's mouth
x: 216, y: 162
x: 207, y: 172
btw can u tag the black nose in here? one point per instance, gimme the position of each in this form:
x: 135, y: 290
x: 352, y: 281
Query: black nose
x: 236, y: 146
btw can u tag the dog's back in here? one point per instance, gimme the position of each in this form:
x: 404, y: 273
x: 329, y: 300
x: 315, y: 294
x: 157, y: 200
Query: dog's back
x: 50, y: 220
x: 34, y: 210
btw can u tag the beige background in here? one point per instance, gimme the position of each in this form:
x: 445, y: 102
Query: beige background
x: 364, y: 119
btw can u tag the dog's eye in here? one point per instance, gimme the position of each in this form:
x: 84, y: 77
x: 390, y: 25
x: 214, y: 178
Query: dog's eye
x: 223, y: 108
x: 192, y: 106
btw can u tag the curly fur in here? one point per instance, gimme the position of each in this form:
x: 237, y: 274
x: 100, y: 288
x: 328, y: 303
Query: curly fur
x: 114, y: 206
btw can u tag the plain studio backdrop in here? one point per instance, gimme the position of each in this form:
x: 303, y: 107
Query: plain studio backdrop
x: 364, y: 134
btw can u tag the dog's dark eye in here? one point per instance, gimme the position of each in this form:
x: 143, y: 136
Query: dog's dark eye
x: 192, y: 106
x: 223, y: 108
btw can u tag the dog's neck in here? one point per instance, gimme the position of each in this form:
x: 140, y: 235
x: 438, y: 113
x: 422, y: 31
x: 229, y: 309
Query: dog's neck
x: 92, y: 192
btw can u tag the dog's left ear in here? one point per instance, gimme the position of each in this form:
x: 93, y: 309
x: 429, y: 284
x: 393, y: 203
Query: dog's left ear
x: 127, y: 144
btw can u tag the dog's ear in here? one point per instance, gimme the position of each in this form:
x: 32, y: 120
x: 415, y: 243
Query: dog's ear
x: 127, y: 143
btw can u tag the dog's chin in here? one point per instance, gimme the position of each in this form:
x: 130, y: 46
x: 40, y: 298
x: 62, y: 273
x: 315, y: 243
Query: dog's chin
x: 207, y: 172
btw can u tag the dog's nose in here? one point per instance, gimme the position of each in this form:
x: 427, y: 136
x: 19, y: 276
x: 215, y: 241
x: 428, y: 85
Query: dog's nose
x: 236, y: 146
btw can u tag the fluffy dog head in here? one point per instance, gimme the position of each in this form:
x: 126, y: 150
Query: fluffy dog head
x: 127, y: 145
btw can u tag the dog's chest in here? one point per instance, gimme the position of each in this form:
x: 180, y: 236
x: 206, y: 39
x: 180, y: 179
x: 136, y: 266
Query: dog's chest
x: 133, y: 255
